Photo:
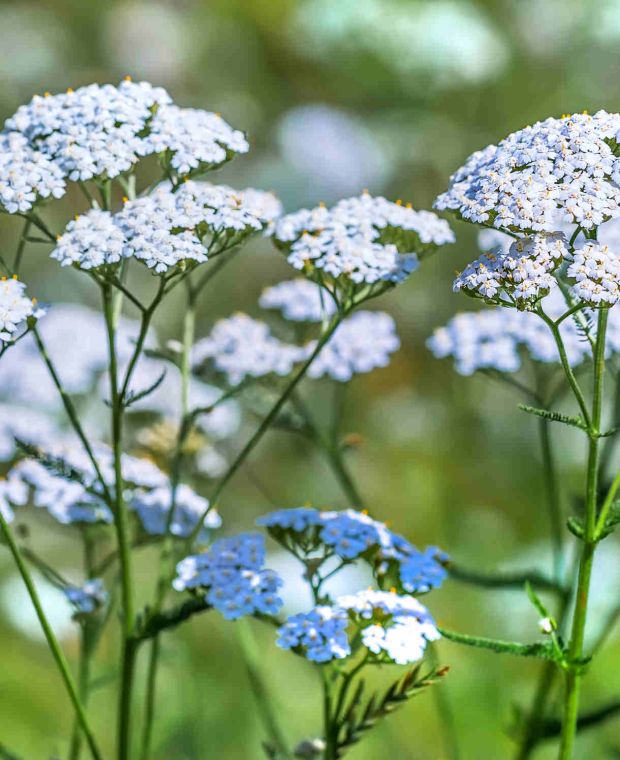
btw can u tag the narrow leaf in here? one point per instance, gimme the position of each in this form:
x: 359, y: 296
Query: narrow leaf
x: 577, y: 422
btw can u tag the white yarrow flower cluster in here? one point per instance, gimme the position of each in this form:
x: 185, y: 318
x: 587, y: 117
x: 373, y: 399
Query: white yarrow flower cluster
x: 299, y: 300
x: 559, y: 168
x: 13, y: 493
x: 100, y: 132
x: 596, y: 271
x: 523, y: 275
x: 242, y: 347
x: 362, y: 342
x: 15, y: 309
x: 167, y: 228
x: 362, y: 240
x: 398, y: 627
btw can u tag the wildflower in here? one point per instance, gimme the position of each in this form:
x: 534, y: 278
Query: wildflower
x: 90, y: 241
x: 298, y: 519
x: 361, y: 343
x: 563, y: 168
x: 319, y: 635
x: 242, y: 347
x: 362, y: 241
x: 88, y: 598
x: 596, y: 271
x: 153, y: 509
x: 299, y: 300
x: 394, y: 626
x: 524, y: 274
x: 232, y: 578
x: 15, y: 309
x: 26, y: 174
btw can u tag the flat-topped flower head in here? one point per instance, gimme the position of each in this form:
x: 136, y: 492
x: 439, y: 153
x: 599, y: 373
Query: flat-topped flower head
x: 240, y: 347
x: 299, y: 300
x: 497, y: 339
x: 522, y: 276
x: 393, y: 628
x: 192, y: 140
x: 101, y: 131
x: 596, y: 272
x: 558, y: 170
x: 153, y: 509
x: 360, y: 242
x: 361, y: 343
x: 15, y: 310
x: 412, y: 570
x: 88, y: 598
x: 319, y: 635
x: 232, y: 577
x: 168, y: 228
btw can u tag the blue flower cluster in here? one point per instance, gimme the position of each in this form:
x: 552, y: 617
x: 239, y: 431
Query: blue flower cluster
x: 351, y: 535
x: 320, y: 635
x: 232, y: 577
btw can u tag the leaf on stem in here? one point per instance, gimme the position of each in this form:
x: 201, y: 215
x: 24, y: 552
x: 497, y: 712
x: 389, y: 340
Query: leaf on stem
x: 612, y: 521
x: 577, y: 422
x: 542, y: 650
x: 132, y: 397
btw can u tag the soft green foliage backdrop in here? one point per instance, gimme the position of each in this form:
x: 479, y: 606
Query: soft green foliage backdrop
x: 447, y: 460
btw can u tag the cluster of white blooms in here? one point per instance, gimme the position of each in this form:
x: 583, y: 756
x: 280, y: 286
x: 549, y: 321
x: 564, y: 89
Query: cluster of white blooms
x: 13, y: 493
x: 101, y: 131
x: 397, y: 627
x: 362, y: 342
x: 153, y: 509
x: 596, y: 271
x: 242, y: 347
x: 492, y: 339
x: 564, y: 169
x: 299, y: 300
x: 88, y: 598
x: 320, y: 635
x: 362, y: 240
x: 166, y: 228
x: 15, y: 309
x: 352, y: 535
x: 25, y: 174
x: 523, y: 274
x: 232, y: 576
x: 195, y: 139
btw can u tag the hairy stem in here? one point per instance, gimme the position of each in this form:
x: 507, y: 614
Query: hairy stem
x: 121, y: 524
x: 575, y: 650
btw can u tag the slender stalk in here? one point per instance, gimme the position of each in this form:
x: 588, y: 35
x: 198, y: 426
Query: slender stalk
x: 574, y: 671
x: 52, y: 642
x: 189, y: 329
x: 330, y: 740
x: 21, y: 246
x: 264, y: 426
x: 121, y: 525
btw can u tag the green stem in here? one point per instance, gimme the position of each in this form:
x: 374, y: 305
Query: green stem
x: 21, y: 246
x: 264, y: 426
x: 149, y: 709
x: 575, y: 650
x: 52, y: 642
x: 121, y: 524
x: 328, y: 729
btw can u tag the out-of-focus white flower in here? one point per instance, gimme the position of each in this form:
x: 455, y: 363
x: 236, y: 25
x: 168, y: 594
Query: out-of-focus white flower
x: 333, y: 151
x: 13, y: 493
x: 242, y: 347
x: 23, y: 423
x: 299, y: 300
x: 363, y: 342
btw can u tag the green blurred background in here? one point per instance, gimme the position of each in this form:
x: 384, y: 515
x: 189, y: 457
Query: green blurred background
x: 338, y: 95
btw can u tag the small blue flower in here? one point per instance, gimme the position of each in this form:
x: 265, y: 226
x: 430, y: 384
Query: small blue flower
x: 320, y: 635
